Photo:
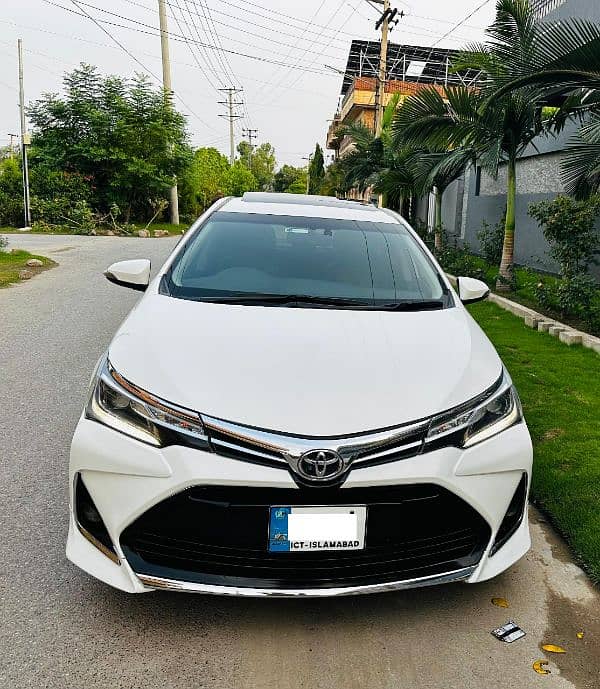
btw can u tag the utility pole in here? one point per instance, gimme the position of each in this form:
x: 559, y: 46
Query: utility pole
x: 24, y: 141
x: 11, y: 147
x: 386, y: 23
x: 231, y: 116
x: 251, y: 134
x: 168, y: 89
x: 382, y: 23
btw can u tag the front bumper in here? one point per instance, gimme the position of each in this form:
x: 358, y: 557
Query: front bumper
x: 126, y: 478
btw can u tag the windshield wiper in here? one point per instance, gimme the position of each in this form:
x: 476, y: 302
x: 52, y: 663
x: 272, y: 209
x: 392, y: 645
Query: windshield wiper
x: 287, y: 299
x: 414, y: 305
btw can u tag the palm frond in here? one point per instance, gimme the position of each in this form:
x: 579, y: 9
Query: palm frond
x: 581, y: 162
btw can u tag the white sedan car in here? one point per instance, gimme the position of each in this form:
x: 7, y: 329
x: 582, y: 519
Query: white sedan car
x: 299, y: 405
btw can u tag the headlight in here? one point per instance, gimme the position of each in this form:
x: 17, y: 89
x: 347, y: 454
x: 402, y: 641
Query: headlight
x: 117, y: 403
x: 482, y: 419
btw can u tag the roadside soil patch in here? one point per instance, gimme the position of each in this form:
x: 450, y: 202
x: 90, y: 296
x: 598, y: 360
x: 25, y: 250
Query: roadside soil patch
x: 14, y: 267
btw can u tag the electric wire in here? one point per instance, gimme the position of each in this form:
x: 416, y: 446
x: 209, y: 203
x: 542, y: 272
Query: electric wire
x: 150, y: 30
x: 137, y: 61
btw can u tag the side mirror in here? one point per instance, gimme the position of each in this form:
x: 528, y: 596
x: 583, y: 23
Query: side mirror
x: 134, y: 274
x: 471, y: 290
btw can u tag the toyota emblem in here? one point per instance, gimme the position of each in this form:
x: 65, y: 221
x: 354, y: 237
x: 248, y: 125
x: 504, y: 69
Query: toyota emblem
x: 320, y: 465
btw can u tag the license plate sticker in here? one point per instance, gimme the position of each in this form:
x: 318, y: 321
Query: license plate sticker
x: 307, y: 529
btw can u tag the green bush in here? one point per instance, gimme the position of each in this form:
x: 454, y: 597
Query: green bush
x: 569, y: 228
x: 574, y: 297
x: 422, y: 229
x: 77, y: 217
x: 11, y: 192
x: 11, y: 209
x: 491, y: 241
x: 459, y: 261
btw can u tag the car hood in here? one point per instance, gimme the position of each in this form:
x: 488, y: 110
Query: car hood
x: 311, y: 372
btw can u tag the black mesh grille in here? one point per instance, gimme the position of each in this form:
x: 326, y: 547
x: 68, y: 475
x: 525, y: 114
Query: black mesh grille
x: 219, y: 535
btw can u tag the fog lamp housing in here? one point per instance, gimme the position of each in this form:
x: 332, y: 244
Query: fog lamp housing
x: 513, y: 517
x: 89, y: 522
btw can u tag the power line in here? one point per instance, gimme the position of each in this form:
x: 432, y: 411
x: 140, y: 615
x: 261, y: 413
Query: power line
x: 297, y: 63
x: 193, y: 53
x: 178, y: 38
x: 221, y: 55
x: 113, y: 47
x: 237, y: 40
x: 213, y: 66
x: 244, y: 30
x: 132, y: 56
x: 454, y: 27
x: 353, y: 8
x: 461, y: 22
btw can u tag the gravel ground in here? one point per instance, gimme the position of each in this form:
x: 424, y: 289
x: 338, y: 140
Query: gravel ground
x: 62, y: 629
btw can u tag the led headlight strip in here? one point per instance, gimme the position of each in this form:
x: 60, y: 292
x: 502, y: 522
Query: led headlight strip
x: 117, y: 403
x: 481, y: 420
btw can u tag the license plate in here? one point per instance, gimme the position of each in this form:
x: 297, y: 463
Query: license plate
x: 307, y: 529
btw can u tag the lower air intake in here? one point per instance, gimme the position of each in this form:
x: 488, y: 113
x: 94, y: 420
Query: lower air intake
x: 219, y: 536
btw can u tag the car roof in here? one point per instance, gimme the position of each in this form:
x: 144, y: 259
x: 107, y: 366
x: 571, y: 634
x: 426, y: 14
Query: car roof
x: 307, y: 206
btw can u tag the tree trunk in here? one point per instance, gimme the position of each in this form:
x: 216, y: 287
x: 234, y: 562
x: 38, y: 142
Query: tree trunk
x: 504, y: 282
x: 438, y: 219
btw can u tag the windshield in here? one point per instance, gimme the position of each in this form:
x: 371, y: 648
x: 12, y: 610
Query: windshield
x: 297, y: 261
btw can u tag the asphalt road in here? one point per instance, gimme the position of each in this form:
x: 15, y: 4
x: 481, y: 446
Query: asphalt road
x: 60, y: 628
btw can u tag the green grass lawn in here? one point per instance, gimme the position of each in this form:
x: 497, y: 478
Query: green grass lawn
x: 12, y: 262
x: 560, y: 390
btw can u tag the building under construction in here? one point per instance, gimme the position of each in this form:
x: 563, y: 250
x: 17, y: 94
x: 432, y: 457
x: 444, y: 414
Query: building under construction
x: 409, y: 68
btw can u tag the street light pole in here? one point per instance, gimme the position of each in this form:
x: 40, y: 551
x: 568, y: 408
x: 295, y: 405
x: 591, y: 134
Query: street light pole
x: 168, y: 89
x: 309, y: 158
x: 24, y: 165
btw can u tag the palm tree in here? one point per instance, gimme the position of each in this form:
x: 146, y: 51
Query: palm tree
x: 563, y: 64
x: 366, y: 159
x: 375, y: 162
x: 497, y: 133
x: 435, y: 171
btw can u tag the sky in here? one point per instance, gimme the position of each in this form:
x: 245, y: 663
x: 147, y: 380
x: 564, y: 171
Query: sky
x: 275, y: 50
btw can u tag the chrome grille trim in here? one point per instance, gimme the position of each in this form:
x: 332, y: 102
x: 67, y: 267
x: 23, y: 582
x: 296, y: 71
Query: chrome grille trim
x: 392, y: 451
x: 190, y: 587
x: 283, y: 450
x: 237, y: 448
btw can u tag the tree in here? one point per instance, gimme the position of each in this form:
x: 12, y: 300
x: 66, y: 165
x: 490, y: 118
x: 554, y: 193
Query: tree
x: 260, y: 161
x: 316, y: 171
x: 11, y: 192
x: 436, y: 171
x: 498, y: 129
x: 335, y: 180
x: 379, y: 162
x: 205, y: 180
x: 290, y: 179
x: 123, y: 136
x: 563, y: 64
x: 239, y: 180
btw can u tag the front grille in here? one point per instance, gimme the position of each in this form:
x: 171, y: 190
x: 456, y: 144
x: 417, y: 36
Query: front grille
x: 219, y: 536
x: 271, y: 448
